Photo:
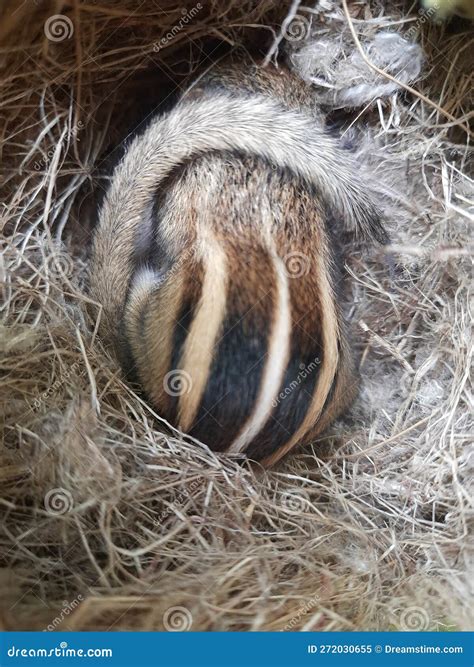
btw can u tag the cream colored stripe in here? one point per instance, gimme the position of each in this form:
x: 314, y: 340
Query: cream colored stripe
x: 329, y: 366
x: 152, y: 341
x: 277, y: 359
x: 198, y: 352
x: 143, y: 284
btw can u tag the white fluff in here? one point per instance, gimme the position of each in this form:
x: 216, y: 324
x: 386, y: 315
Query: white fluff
x: 344, y: 79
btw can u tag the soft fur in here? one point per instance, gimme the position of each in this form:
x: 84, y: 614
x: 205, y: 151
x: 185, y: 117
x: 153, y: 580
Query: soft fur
x: 214, y: 261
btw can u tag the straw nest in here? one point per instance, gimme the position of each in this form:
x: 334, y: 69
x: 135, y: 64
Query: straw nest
x: 110, y: 521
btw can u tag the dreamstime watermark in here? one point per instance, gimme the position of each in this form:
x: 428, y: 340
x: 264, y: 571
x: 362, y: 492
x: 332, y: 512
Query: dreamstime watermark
x: 67, y: 608
x: 177, y: 383
x: 414, y: 619
x: 58, y: 501
x: 302, y: 611
x: 186, y: 256
x: 57, y: 384
x: 58, y: 27
x: 72, y: 134
x: 61, y: 651
x: 297, y: 264
x: 305, y: 371
x: 60, y: 264
x: 294, y: 500
x: 180, y: 499
x: 297, y: 29
x: 177, y: 619
x: 426, y: 14
x: 182, y: 23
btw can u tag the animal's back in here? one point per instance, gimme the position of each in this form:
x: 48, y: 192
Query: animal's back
x: 228, y: 311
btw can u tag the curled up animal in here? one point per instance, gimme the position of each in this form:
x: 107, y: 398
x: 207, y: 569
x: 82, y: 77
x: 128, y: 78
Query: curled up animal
x: 214, y: 260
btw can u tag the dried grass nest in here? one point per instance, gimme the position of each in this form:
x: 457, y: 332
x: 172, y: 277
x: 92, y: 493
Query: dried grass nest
x: 106, y: 521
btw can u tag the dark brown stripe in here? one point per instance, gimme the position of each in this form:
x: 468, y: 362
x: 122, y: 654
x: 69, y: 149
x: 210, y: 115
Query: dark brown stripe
x: 240, y: 356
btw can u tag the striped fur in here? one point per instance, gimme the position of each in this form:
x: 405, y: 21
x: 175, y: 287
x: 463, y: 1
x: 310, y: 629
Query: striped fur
x: 215, y: 267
